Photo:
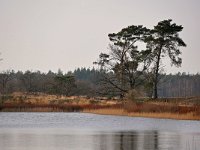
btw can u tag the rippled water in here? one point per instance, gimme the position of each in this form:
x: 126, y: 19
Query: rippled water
x: 82, y: 131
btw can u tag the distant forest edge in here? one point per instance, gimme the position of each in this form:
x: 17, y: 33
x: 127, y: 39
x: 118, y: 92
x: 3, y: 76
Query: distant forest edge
x: 88, y: 82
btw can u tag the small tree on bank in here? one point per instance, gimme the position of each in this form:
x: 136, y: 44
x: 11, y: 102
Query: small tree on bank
x: 64, y: 84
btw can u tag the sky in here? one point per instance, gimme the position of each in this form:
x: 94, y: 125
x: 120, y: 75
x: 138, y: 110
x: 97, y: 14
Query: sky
x: 67, y: 34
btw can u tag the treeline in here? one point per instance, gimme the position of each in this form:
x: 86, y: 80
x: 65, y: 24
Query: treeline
x: 88, y: 82
x: 80, y: 82
x: 179, y: 85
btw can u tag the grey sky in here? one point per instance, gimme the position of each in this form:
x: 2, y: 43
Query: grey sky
x: 50, y: 34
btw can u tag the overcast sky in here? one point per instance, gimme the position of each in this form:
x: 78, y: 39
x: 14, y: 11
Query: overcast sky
x: 67, y: 34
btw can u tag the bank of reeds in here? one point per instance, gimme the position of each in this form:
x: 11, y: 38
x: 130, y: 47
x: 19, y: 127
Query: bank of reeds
x: 154, y: 110
x: 161, y: 108
x: 39, y: 108
x: 53, y: 107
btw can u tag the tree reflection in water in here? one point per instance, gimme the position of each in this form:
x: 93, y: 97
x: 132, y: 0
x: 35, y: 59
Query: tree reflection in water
x: 137, y: 140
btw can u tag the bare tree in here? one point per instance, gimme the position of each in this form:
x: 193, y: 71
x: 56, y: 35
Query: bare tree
x: 5, y: 77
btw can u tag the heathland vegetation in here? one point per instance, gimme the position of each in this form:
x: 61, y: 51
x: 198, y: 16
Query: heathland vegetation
x: 128, y: 80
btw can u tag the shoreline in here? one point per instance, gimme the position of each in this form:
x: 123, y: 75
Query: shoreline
x: 119, y: 112
x: 173, y: 116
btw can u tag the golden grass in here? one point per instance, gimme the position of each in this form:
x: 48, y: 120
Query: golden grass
x: 41, y: 98
x: 107, y: 111
x: 122, y: 112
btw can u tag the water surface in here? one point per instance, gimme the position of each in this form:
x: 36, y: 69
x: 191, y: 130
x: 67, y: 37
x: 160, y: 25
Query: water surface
x: 82, y: 131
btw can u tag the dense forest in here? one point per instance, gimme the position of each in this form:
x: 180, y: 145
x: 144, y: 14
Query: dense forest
x: 89, y: 82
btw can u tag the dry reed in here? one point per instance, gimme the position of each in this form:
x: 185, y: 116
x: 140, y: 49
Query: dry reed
x: 177, y: 108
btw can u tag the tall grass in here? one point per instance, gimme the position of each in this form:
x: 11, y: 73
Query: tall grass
x: 160, y: 107
x: 158, y: 110
x: 40, y: 107
x: 24, y: 107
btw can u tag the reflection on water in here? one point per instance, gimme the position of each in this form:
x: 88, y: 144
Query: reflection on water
x: 150, y: 140
x: 76, y: 131
x: 61, y: 139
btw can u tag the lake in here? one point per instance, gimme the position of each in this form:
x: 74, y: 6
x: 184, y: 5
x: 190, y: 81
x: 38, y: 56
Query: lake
x: 83, y: 131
